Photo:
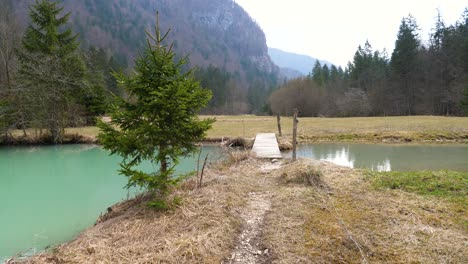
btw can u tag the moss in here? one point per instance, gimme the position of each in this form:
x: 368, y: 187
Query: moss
x: 446, y: 183
x: 451, y: 186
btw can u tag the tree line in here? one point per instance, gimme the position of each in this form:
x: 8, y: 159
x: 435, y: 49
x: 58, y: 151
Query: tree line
x: 46, y: 81
x: 49, y: 80
x: 416, y: 79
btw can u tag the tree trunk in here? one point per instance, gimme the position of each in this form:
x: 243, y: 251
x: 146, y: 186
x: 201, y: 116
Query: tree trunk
x: 278, y: 119
x: 294, y: 134
x: 7, y: 71
x: 163, y: 166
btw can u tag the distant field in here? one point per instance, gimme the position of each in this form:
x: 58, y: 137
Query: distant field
x: 414, y: 128
x: 392, y: 129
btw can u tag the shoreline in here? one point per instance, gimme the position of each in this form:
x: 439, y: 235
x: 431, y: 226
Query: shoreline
x: 357, y: 139
x: 394, y: 130
x: 70, y: 139
x: 325, y: 212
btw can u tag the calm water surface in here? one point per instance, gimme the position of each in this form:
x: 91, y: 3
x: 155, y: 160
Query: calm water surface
x: 50, y: 194
x: 385, y: 157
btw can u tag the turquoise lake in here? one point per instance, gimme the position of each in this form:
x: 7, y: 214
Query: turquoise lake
x: 49, y: 194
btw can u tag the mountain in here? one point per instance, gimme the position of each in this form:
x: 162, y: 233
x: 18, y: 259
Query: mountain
x: 289, y: 73
x: 215, y: 33
x: 298, y: 62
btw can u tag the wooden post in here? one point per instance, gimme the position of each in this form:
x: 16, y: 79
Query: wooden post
x: 278, y: 118
x: 294, y: 142
x: 243, y: 127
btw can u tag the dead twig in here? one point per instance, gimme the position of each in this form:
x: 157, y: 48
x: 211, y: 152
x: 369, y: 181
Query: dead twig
x: 203, y: 171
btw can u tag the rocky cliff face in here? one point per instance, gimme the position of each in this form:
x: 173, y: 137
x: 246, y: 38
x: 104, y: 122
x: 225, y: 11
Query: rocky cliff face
x: 226, y: 31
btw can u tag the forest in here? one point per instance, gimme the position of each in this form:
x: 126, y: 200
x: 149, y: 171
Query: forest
x: 415, y: 79
x: 231, y: 54
x: 46, y: 81
x: 50, y: 79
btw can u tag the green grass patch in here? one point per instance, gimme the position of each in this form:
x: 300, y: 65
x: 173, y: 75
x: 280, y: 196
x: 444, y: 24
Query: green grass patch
x: 445, y: 183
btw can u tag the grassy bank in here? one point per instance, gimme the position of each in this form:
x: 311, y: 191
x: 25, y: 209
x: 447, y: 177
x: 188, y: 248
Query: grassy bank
x: 445, y: 184
x: 448, y: 186
x: 311, y: 212
x: 401, y: 129
x: 380, y: 129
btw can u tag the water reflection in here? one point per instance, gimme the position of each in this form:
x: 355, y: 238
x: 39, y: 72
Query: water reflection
x: 340, y: 157
x: 383, y: 157
x: 384, y: 166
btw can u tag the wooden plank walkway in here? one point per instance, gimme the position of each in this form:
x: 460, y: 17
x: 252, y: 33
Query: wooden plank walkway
x: 266, y: 146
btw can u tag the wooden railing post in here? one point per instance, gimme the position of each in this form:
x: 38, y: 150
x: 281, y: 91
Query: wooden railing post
x: 294, y: 142
x: 278, y: 119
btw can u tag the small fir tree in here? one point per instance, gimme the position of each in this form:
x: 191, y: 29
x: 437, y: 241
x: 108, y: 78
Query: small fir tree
x: 159, y: 121
x: 44, y: 34
x: 51, y: 73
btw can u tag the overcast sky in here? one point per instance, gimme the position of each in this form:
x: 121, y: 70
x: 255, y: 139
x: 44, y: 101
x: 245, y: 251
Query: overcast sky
x: 332, y: 29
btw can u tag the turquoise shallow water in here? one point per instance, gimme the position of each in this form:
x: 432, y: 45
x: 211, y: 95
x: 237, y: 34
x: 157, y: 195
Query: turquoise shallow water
x: 48, y: 194
x: 386, y: 157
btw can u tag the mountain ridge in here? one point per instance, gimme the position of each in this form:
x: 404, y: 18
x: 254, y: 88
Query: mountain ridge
x: 212, y: 33
x: 220, y: 33
x: 299, y: 62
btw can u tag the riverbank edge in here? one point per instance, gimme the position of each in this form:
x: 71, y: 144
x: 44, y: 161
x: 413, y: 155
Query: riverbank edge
x: 332, y: 138
x: 69, y: 139
x: 288, y: 184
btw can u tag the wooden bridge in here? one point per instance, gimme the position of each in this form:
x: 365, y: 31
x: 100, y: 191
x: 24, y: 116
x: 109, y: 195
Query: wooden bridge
x: 266, y: 146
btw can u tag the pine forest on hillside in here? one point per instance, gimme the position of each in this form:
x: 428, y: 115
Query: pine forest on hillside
x: 61, y: 74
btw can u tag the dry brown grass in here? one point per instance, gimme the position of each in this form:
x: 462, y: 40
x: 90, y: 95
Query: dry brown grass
x: 284, y: 143
x: 386, y: 129
x: 348, y: 222
x: 320, y: 213
x: 234, y: 157
x: 239, y: 142
x: 90, y: 131
x: 202, y: 229
x: 401, y: 128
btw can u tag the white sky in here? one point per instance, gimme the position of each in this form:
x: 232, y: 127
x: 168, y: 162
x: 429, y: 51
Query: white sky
x: 332, y: 29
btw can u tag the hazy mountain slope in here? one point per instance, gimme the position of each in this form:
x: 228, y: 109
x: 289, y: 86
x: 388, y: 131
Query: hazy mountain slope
x: 212, y: 32
x: 299, y: 62
x: 289, y: 73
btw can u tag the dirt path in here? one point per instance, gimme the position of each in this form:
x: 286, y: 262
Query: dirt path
x: 250, y: 247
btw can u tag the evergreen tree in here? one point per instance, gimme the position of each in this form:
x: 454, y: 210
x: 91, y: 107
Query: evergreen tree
x: 325, y: 74
x: 334, y: 73
x: 159, y: 122
x: 438, y: 34
x: 217, y: 80
x: 404, y: 61
x: 44, y: 35
x: 464, y: 102
x: 51, y: 71
x: 317, y: 73
x: 361, y: 71
x: 95, y: 99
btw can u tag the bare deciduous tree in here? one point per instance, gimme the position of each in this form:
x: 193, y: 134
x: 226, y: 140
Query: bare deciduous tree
x: 9, y: 40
